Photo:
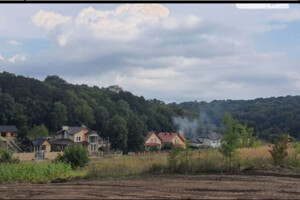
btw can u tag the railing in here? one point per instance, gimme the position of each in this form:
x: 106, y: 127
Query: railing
x: 149, y: 152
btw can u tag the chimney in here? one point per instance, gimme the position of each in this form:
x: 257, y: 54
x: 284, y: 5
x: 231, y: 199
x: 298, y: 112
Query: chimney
x: 65, y: 128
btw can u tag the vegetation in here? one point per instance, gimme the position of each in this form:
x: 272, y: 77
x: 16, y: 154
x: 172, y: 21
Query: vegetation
x: 7, y: 158
x: 235, y: 136
x: 269, y: 117
x: 33, y: 172
x: 75, y: 155
x: 34, y: 105
x: 279, y: 150
x: 38, y: 132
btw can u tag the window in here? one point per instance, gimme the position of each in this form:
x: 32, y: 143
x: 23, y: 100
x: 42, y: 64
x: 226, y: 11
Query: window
x: 78, y: 139
x: 92, y: 139
x: 94, y: 147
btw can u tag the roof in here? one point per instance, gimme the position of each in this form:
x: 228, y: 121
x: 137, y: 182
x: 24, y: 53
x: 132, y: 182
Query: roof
x: 74, y: 129
x: 38, y: 142
x: 12, y: 129
x: 149, y: 135
x: 211, y: 136
x: 82, y: 143
x: 71, y: 130
x: 182, y: 137
x: 91, y: 132
x: 166, y: 137
x: 62, y: 142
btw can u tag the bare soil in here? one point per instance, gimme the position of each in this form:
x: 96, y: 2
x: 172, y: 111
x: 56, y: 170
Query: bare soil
x: 214, y: 186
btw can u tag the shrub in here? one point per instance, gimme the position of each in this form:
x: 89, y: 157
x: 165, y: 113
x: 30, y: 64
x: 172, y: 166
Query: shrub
x: 74, y: 155
x: 173, y: 158
x: 6, y: 157
x: 153, y: 149
x: 167, y: 146
x: 278, y: 151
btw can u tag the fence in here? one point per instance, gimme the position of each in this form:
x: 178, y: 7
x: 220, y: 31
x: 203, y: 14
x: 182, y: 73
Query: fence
x: 149, y: 152
x: 31, y: 156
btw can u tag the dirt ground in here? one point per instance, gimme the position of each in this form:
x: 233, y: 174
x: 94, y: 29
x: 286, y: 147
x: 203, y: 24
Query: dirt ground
x: 266, y: 186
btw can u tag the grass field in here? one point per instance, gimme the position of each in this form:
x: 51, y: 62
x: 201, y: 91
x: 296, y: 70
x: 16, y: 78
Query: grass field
x: 194, y: 162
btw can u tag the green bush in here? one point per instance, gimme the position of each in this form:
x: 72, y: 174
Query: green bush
x: 75, y: 155
x: 6, y: 157
x: 153, y: 149
x: 278, y: 151
x: 167, y: 146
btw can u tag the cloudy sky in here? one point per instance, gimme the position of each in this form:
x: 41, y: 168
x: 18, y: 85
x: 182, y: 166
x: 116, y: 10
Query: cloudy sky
x: 165, y: 51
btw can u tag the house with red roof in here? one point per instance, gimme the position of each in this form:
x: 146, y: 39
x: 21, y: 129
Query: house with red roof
x: 158, y: 140
x: 177, y: 139
x: 152, y: 140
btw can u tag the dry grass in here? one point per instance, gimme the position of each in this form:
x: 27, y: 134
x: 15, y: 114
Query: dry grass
x: 121, y: 166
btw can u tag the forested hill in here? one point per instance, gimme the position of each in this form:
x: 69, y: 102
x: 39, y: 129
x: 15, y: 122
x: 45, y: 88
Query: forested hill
x: 269, y: 116
x: 117, y: 114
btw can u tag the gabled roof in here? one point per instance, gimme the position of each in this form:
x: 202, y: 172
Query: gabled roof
x: 71, y: 130
x: 12, y: 129
x: 92, y: 132
x: 38, y: 142
x: 150, y: 134
x: 74, y: 129
x: 182, y: 137
x: 166, y: 137
x: 211, y: 136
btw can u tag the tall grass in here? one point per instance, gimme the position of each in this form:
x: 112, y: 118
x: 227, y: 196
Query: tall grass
x: 34, y: 172
x: 122, y: 166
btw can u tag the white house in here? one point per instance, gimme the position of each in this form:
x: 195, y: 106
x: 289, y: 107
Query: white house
x: 211, y: 140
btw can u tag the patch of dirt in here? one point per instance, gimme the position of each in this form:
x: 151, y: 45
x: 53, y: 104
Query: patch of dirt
x: 213, y: 186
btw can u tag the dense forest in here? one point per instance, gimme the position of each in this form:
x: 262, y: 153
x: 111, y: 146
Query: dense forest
x: 270, y: 117
x: 40, y: 108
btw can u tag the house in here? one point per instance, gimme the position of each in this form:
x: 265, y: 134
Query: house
x: 81, y: 135
x: 152, y: 140
x: 41, y: 145
x: 176, y: 139
x: 210, y: 140
x: 162, y: 138
x: 8, y: 132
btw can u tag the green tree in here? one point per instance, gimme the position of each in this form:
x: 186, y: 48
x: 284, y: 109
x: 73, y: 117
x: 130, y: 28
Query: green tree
x: 137, y: 131
x: 101, y: 115
x: 230, y: 140
x: 38, y: 132
x: 83, y: 114
x: 58, y: 116
x: 122, y: 109
x: 117, y: 132
x: 279, y: 150
x: 7, y: 108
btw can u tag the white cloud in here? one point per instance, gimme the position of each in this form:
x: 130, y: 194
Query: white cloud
x: 1, y: 58
x: 49, y: 20
x: 14, y: 43
x: 172, y: 57
x: 17, y: 58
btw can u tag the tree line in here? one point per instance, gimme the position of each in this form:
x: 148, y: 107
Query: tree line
x: 269, y: 117
x: 39, y: 108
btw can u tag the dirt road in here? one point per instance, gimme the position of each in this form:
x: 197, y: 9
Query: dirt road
x: 163, y: 186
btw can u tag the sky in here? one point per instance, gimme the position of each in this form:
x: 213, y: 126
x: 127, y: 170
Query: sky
x: 171, y: 52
